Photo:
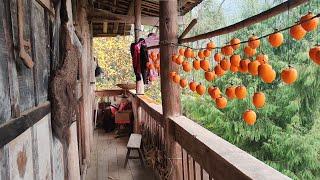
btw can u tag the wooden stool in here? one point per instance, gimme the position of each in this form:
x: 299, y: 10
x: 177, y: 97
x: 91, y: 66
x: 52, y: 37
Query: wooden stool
x: 134, y: 143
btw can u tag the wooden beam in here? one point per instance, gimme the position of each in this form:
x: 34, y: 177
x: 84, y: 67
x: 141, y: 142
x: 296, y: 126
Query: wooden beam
x: 137, y: 19
x: 105, y: 27
x: 99, y: 15
x: 137, y: 35
x: 14, y: 127
x: 131, y: 8
x: 187, y: 30
x: 115, y: 27
x: 109, y: 92
x: 170, y: 92
x: 221, y: 159
x: 247, y: 22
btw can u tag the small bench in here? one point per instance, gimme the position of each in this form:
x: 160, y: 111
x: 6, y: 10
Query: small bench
x: 134, y: 143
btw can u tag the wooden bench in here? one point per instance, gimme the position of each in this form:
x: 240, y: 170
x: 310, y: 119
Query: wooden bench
x: 134, y: 143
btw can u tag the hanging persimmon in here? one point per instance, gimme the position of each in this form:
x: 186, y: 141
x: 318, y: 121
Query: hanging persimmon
x: 276, y: 39
x: 201, y: 89
x: 172, y: 74
x: 297, y: 32
x: 249, y: 51
x: 264, y: 70
x: 151, y: 66
x: 215, y: 92
x: 192, y: 54
x: 249, y: 117
x: 174, y: 58
x: 313, y: 53
x: 217, y: 57
x: 221, y: 102
x: 193, y: 86
x: 206, y: 53
x: 258, y: 99
x: 234, y: 69
x: 158, y: 56
x: 253, y: 67
x: 317, y: 58
x: 183, y: 83
x: 201, y: 55
x: 309, y: 22
x: 241, y: 92
x: 211, y: 45
x: 227, y: 50
x: 157, y: 64
x: 231, y: 92
x: 254, y: 42
x: 181, y: 51
x: 180, y: 59
x: 186, y: 66
x: 262, y: 58
x: 289, y: 75
x: 153, y: 55
x: 188, y: 53
x: 210, y: 89
x: 176, y: 78
x: 244, y: 65
x: 218, y: 70
x: 235, y: 60
x: 270, y: 77
x: 196, y: 64
x: 235, y: 43
x: 204, y: 64
x: 209, y: 75
x: 225, y: 64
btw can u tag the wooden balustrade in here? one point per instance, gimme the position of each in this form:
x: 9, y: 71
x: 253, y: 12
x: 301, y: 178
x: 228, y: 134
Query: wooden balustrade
x: 204, y: 155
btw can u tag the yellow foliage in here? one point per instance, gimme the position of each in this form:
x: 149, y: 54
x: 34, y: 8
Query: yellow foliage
x: 113, y: 54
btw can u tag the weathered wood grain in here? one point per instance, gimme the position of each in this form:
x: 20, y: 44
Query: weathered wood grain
x: 170, y: 92
x: 41, y: 148
x: 12, y: 70
x: 21, y: 157
x: 13, y: 128
x: 40, y: 55
x: 5, y: 110
x: 25, y: 75
x: 218, y: 157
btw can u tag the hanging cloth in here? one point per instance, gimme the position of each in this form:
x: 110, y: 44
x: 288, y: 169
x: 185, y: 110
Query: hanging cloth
x: 135, y: 53
x: 144, y: 58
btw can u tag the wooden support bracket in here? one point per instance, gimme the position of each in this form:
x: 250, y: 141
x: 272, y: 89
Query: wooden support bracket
x: 187, y: 30
x: 23, y: 44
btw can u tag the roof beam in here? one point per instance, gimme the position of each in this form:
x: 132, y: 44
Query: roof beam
x: 115, y: 27
x: 247, y: 22
x: 99, y: 15
x: 131, y: 8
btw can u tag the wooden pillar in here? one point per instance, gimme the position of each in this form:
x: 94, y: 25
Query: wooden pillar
x: 137, y: 19
x: 170, y: 92
x: 137, y: 35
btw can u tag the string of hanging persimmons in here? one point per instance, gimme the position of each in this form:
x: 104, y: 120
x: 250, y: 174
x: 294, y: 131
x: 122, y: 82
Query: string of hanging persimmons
x: 258, y: 67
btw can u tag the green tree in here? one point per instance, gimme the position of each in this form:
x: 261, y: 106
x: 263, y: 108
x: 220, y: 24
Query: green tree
x: 286, y: 135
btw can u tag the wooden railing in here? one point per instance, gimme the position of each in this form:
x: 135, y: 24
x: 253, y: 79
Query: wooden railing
x: 204, y: 155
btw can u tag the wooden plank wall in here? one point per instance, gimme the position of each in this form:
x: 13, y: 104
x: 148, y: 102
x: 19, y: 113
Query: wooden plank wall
x: 32, y: 151
x: 5, y: 110
x: 33, y: 154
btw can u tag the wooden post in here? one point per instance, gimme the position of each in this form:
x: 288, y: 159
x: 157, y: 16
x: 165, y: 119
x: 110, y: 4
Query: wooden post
x: 137, y: 35
x: 170, y: 92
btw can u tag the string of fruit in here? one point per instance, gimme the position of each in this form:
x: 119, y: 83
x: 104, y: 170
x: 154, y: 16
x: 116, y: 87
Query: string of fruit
x: 226, y: 61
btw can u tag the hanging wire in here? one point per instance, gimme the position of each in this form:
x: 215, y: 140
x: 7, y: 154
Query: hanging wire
x: 289, y: 41
x: 242, y: 42
x: 318, y: 27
